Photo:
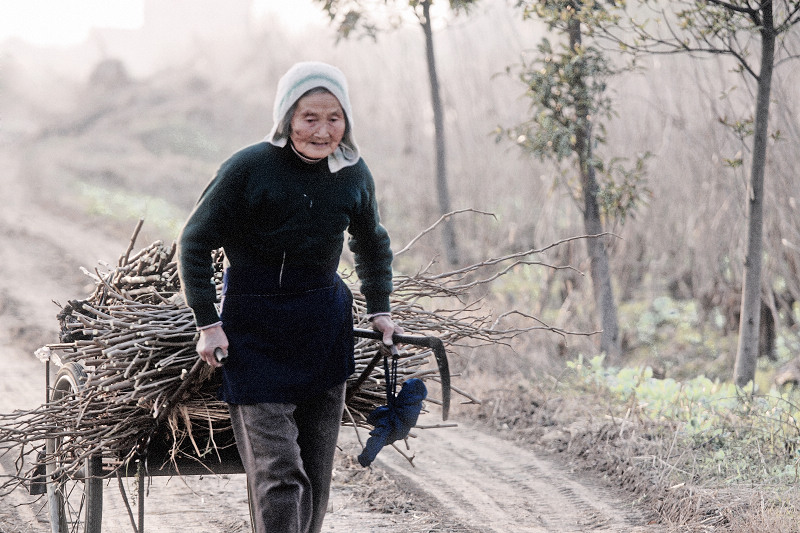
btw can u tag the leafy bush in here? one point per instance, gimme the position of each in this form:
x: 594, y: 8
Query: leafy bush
x: 733, y: 436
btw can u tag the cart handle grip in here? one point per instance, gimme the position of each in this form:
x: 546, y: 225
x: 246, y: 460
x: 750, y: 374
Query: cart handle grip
x: 434, y: 343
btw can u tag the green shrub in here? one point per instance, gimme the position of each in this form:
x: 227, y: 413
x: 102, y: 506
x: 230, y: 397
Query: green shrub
x: 731, y: 435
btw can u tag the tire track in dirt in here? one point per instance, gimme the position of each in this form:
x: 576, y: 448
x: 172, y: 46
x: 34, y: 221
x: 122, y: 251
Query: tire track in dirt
x: 498, y: 487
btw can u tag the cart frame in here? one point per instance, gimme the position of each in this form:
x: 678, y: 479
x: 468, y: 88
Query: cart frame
x: 75, y: 504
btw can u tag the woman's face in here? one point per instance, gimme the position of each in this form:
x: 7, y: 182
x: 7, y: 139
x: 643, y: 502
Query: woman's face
x: 318, y: 125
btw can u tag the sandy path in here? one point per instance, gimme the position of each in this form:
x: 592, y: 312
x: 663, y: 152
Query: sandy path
x: 498, y: 487
x: 466, y: 481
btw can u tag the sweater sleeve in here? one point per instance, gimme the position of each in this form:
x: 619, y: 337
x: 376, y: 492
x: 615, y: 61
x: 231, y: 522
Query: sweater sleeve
x: 205, y: 231
x: 371, y: 246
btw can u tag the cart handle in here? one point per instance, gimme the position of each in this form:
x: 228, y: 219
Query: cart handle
x: 434, y: 343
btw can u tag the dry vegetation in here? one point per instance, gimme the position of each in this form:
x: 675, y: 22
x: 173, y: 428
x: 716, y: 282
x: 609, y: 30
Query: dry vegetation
x: 722, y: 477
x: 144, y: 146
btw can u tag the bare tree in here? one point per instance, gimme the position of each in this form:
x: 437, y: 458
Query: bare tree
x: 352, y: 16
x: 731, y: 28
x: 567, y: 91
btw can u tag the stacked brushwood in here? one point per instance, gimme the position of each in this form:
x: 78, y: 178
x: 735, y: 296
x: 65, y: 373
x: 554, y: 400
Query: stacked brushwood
x: 135, y: 339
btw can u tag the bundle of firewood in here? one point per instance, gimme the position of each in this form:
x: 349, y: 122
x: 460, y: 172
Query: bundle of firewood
x: 135, y: 338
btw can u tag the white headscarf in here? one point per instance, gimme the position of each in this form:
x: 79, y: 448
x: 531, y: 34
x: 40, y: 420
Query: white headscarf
x: 298, y: 80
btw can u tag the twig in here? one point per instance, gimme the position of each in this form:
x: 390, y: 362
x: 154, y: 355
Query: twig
x: 435, y: 224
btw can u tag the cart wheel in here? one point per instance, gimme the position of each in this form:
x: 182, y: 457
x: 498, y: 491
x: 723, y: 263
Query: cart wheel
x: 75, y: 504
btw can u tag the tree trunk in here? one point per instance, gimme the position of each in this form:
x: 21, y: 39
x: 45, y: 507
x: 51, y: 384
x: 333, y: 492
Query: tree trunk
x: 449, y: 236
x: 600, y: 270
x: 749, y: 320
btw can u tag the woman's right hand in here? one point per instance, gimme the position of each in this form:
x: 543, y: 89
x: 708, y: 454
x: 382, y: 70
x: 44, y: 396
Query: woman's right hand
x: 211, y: 339
x: 386, y: 326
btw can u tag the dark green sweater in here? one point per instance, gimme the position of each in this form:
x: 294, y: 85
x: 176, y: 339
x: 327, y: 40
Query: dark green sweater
x: 266, y: 207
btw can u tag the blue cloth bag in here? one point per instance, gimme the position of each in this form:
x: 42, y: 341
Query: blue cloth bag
x: 393, y: 421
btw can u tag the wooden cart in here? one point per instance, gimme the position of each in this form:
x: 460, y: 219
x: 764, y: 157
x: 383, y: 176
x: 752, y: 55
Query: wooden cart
x: 75, y: 503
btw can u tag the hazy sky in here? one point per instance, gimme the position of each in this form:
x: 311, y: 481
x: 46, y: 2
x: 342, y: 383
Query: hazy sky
x: 64, y: 22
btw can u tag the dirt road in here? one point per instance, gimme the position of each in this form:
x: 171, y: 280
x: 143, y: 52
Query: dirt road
x: 463, y: 481
x: 498, y: 487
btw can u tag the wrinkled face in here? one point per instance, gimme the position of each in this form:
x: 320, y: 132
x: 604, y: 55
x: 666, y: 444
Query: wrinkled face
x: 318, y: 125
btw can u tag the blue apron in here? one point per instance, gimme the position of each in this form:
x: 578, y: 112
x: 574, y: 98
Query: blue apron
x: 290, y: 332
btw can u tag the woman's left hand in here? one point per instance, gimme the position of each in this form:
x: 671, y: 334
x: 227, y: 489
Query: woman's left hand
x: 385, y: 325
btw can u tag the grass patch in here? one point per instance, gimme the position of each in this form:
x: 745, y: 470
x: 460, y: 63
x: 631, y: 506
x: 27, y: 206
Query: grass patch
x: 737, y: 436
x: 121, y: 205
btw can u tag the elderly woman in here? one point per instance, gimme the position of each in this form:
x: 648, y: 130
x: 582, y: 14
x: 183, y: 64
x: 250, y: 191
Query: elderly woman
x: 279, y: 209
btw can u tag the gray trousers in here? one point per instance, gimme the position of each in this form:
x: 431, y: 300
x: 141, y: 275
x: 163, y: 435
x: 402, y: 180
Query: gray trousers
x: 287, y: 451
